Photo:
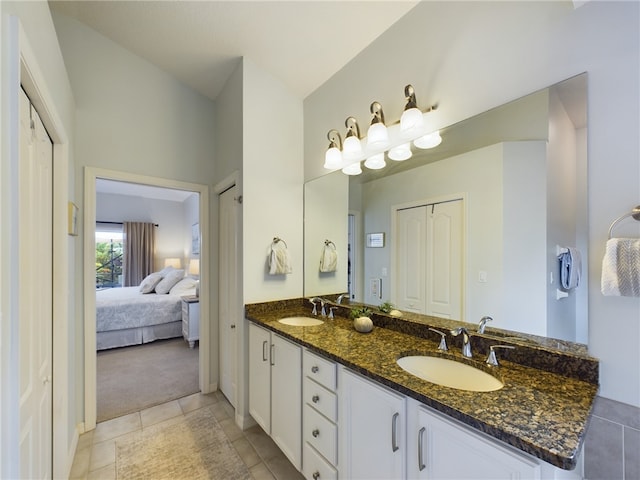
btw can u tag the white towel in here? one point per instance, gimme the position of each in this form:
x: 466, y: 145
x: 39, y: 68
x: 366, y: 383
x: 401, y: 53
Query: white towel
x: 621, y: 268
x: 329, y: 258
x: 279, y: 262
x: 570, y: 268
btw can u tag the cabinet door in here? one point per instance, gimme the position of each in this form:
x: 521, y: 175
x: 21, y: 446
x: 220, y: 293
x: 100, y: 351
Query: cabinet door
x: 448, y: 450
x: 260, y: 376
x: 286, y: 398
x: 372, y: 430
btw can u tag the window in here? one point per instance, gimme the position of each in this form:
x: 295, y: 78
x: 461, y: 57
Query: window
x: 108, y: 255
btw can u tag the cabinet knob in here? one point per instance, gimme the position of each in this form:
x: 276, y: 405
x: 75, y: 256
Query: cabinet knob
x: 315, y: 399
x: 315, y: 369
x: 316, y: 433
x: 316, y: 475
x: 233, y: 326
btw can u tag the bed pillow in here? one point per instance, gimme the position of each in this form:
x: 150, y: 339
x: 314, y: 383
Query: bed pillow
x: 165, y: 271
x: 169, y: 280
x: 150, y: 282
x: 186, y: 286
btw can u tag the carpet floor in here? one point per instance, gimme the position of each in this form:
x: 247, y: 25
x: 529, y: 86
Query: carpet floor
x: 196, y: 448
x: 131, y: 379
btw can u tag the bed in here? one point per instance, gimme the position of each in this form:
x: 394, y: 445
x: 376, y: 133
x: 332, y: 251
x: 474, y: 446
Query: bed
x: 132, y: 316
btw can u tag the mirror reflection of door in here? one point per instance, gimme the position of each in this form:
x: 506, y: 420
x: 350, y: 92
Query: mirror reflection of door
x: 429, y: 252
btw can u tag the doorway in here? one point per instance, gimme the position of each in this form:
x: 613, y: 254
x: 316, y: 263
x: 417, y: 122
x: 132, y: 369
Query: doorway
x: 91, y: 176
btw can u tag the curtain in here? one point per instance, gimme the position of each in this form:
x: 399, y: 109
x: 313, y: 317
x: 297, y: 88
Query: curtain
x: 139, y: 247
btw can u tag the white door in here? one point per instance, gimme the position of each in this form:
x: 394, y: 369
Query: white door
x: 444, y: 260
x: 410, y: 271
x: 228, y: 298
x: 428, y: 254
x: 35, y: 297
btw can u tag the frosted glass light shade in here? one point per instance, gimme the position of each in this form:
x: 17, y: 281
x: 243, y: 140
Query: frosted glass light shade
x: 411, y: 121
x: 377, y: 136
x: 332, y: 158
x: 353, y: 169
x: 428, y: 141
x: 375, y: 162
x: 351, y: 148
x: 401, y: 152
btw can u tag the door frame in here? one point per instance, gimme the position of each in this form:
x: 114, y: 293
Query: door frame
x: 22, y: 69
x: 90, y: 355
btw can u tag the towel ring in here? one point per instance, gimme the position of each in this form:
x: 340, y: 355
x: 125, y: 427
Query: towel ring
x: 635, y: 213
x: 278, y: 239
x: 329, y: 242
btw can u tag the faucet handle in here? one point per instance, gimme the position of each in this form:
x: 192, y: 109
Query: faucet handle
x: 443, y: 339
x: 313, y: 302
x: 492, y: 359
x: 331, y: 309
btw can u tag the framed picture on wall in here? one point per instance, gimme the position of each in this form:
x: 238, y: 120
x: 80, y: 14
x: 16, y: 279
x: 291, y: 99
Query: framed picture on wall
x: 195, y: 238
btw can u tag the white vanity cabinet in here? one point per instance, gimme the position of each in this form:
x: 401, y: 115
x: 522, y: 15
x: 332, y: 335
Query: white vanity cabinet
x: 372, y: 436
x: 275, y: 389
x: 319, y: 417
x: 446, y: 449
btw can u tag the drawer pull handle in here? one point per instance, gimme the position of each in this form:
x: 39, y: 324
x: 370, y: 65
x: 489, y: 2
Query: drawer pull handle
x: 316, y: 433
x: 315, y: 399
x: 315, y: 369
x: 394, y: 432
x: 273, y: 354
x: 264, y: 351
x: 421, y: 465
x: 316, y: 475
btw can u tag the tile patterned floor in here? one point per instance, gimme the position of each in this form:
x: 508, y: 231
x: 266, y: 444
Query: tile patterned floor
x: 95, y: 454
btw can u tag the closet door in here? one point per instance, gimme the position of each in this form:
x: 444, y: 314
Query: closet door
x: 35, y: 294
x: 444, y: 249
x: 410, y: 251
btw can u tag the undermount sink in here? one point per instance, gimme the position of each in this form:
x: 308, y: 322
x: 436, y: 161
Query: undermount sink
x: 301, y: 321
x: 450, y: 373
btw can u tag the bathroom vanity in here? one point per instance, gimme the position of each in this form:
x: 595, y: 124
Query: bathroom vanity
x: 368, y: 417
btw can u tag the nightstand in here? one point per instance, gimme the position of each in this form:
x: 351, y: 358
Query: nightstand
x: 191, y: 319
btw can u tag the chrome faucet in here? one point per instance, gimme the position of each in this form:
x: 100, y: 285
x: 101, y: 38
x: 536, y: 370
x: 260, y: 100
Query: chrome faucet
x: 341, y: 297
x: 483, y: 323
x: 466, y: 340
x: 314, y: 301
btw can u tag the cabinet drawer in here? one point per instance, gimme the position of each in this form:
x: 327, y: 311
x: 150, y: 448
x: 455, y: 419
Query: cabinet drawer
x: 316, y: 467
x: 185, y: 310
x: 320, y: 369
x: 321, y: 433
x: 321, y: 399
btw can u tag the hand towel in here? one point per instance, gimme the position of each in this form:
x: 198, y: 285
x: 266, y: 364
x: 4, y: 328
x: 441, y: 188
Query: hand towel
x: 279, y: 262
x: 329, y: 258
x: 570, y: 268
x: 621, y: 268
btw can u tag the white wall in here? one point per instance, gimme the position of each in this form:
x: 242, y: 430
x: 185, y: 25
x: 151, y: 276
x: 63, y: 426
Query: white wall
x: 272, y: 184
x: 471, y: 56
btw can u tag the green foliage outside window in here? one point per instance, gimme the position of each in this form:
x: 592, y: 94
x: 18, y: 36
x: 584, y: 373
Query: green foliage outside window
x: 108, y: 263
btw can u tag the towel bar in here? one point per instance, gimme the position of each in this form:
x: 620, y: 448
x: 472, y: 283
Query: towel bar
x: 635, y: 213
x: 278, y: 239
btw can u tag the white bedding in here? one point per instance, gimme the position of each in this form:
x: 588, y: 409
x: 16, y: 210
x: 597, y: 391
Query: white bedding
x: 127, y: 307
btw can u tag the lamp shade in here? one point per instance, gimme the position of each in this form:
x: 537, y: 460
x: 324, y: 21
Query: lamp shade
x: 352, y: 148
x: 428, y: 141
x: 411, y: 122
x: 353, y: 169
x: 377, y: 136
x: 375, y: 162
x: 401, y: 152
x: 194, y: 267
x: 172, y: 262
x: 333, y: 158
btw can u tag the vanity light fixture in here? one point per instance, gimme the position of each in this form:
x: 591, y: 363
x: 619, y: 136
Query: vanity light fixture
x: 395, y: 139
x: 411, y: 121
x: 333, y: 157
x: 377, y: 135
x: 352, y: 148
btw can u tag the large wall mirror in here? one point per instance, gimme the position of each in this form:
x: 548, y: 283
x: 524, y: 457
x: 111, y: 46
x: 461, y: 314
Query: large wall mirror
x: 513, y: 183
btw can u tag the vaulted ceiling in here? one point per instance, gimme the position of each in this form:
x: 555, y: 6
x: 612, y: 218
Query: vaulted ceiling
x: 303, y: 43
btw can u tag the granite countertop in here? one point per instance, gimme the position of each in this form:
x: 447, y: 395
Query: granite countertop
x: 539, y: 412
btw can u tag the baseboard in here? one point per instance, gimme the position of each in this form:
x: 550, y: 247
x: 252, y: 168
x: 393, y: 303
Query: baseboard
x: 212, y: 388
x: 71, y: 454
x: 245, y: 421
